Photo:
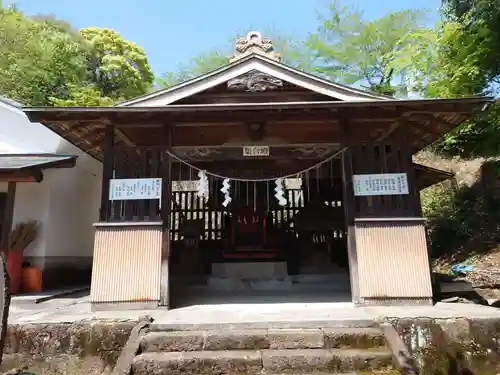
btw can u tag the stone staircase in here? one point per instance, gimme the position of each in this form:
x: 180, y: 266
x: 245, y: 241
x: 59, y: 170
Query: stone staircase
x: 335, y: 350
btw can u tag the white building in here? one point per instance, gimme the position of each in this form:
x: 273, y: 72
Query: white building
x: 65, y: 202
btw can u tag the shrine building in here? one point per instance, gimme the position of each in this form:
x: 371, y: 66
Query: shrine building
x: 257, y: 179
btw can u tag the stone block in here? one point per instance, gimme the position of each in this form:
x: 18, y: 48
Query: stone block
x: 362, y: 359
x: 297, y: 361
x: 236, y: 340
x: 178, y: 341
x: 324, y: 360
x: 202, y: 363
x: 356, y: 338
x: 296, y: 339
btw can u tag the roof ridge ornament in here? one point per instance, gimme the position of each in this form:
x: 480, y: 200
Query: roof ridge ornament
x: 254, y: 42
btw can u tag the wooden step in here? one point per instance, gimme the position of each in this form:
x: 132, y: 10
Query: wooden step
x: 255, y: 362
x: 255, y: 339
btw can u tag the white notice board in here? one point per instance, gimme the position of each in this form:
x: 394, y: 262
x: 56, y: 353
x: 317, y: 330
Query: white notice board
x: 380, y: 184
x: 134, y: 189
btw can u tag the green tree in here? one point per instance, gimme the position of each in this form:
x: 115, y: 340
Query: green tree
x: 352, y: 50
x: 38, y: 60
x: 448, y: 62
x: 46, y: 62
x: 480, y: 20
x: 439, y: 63
x: 118, y: 67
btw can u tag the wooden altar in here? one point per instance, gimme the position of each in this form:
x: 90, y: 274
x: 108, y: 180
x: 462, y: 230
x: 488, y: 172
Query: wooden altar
x: 300, y: 120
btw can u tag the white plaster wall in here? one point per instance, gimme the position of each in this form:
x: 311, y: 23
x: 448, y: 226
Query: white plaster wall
x: 66, y: 202
x: 74, y: 208
x: 32, y: 203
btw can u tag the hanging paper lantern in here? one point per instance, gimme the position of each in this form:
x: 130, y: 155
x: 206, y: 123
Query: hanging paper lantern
x: 225, y: 190
x: 202, y: 185
x: 280, y: 192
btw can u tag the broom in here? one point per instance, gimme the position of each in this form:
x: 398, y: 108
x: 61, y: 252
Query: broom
x: 23, y: 235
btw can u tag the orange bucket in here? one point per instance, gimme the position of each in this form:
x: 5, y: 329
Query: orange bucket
x: 32, y: 280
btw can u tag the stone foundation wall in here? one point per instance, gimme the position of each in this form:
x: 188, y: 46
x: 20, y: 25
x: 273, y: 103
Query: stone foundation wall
x: 440, y: 346
x: 65, y: 348
x: 452, y: 346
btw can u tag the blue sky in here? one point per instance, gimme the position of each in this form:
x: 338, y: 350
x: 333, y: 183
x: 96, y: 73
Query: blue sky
x: 172, y: 32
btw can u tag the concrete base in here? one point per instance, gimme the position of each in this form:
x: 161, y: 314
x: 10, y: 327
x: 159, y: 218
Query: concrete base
x: 125, y: 306
x: 294, y: 283
x: 233, y: 284
x: 398, y: 301
x: 250, y: 270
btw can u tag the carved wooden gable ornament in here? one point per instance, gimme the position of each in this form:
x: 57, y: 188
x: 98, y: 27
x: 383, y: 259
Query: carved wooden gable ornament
x: 254, y: 81
x: 254, y: 42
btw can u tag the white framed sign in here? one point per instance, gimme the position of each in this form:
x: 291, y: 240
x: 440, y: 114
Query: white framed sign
x: 380, y: 184
x: 134, y: 189
x: 256, y: 151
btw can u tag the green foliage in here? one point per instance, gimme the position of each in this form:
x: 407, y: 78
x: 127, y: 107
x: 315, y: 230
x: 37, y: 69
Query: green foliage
x: 438, y: 64
x: 118, y: 67
x: 352, y: 50
x: 479, y: 137
x: 45, y: 62
x: 82, y: 96
x: 461, y: 220
x: 37, y: 60
x: 199, y: 65
x: 448, y: 62
x: 481, y: 24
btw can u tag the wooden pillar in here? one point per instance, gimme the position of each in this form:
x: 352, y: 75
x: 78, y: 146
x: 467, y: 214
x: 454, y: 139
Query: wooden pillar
x: 8, y: 216
x: 166, y: 208
x: 107, y: 172
x: 406, y: 141
x: 349, y: 203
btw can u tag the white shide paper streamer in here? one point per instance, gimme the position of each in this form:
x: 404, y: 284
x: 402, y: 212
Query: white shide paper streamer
x: 225, y: 190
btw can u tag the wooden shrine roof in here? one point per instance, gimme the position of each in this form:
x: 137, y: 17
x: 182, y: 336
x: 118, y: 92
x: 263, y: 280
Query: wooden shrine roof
x: 9, y: 162
x: 30, y: 167
x: 294, y: 122
x: 428, y: 176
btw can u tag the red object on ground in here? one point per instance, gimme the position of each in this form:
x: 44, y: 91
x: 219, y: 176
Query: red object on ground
x: 31, y: 280
x: 15, y: 269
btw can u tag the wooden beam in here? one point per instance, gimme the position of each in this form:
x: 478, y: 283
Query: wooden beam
x: 8, y: 217
x: 70, y: 130
x: 135, y: 125
x: 32, y: 175
x: 386, y: 134
x: 405, y: 139
x: 91, y: 137
x: 107, y: 173
x: 166, y: 206
x: 124, y: 138
x: 349, y: 203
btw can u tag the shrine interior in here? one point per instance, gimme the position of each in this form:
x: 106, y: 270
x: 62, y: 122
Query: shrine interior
x: 255, y: 249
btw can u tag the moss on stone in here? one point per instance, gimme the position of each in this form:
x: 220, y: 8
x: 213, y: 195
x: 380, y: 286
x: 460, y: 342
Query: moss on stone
x: 83, y: 344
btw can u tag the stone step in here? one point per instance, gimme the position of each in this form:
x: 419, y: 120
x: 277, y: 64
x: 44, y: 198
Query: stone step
x: 256, y: 339
x: 254, y: 362
x: 341, y: 322
x: 221, y: 285
x: 314, y: 278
